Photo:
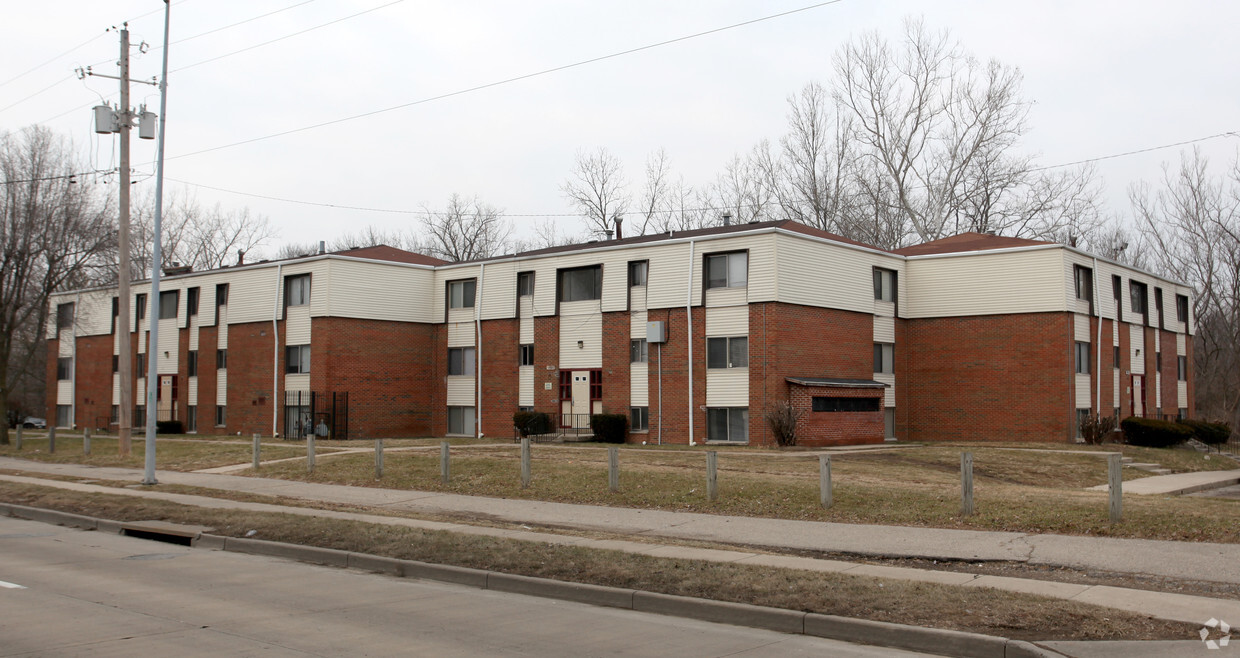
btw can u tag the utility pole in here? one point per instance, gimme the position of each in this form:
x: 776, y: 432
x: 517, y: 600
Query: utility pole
x: 152, y: 378
x: 124, y: 262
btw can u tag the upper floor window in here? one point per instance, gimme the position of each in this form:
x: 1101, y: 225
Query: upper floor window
x: 461, y: 293
x: 1084, y: 282
x: 64, y: 367
x: 728, y: 270
x: 297, y: 290
x: 884, y: 358
x: 140, y: 306
x: 221, y: 294
x: 639, y: 351
x: 191, y: 302
x: 221, y: 359
x: 527, y: 354
x: 1140, y: 296
x: 1117, y: 286
x: 581, y: 284
x: 64, y: 316
x: 1158, y: 307
x: 116, y: 311
x: 461, y: 361
x: 525, y: 284
x: 884, y: 285
x: 1181, y: 308
x: 297, y: 359
x: 731, y: 352
x: 191, y: 363
x: 1181, y: 368
x: 168, y: 305
x: 1081, y: 358
x: 637, y: 272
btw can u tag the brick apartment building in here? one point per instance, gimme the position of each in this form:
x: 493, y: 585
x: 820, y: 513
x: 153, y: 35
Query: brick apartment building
x: 695, y: 335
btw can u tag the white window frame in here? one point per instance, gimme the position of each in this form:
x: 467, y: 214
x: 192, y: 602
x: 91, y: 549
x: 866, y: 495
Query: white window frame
x: 885, y: 358
x: 462, y: 293
x: 466, y: 361
x: 735, y: 352
x: 735, y: 273
x: 297, y: 290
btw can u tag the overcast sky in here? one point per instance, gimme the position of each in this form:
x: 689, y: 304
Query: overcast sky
x: 1105, y: 78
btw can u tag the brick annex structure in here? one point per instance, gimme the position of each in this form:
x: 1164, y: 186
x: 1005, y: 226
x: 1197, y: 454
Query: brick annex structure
x: 695, y: 335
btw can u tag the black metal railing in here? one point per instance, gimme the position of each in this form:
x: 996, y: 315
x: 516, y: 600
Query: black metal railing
x: 563, y: 425
x: 326, y: 415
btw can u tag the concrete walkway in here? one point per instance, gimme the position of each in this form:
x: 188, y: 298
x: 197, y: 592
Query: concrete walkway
x: 1194, y: 561
x: 1178, y: 483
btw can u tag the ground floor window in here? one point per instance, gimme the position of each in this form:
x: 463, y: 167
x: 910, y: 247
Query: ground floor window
x: 116, y: 415
x: 727, y: 424
x: 461, y: 420
x: 889, y: 422
x: 64, y: 415
x: 221, y: 415
x: 1181, y: 413
x: 639, y: 419
x: 837, y: 404
x: 139, y: 416
x: 191, y: 419
x: 1082, y: 415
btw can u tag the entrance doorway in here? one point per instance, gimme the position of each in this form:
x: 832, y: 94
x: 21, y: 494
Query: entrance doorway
x: 581, y: 394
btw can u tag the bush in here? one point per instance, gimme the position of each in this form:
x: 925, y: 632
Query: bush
x: 169, y: 427
x: 1152, y: 433
x: 1211, y: 434
x: 1094, y: 429
x: 783, y: 419
x: 610, y: 428
x: 533, y: 422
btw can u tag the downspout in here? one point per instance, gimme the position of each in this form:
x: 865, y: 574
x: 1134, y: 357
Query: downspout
x: 1097, y: 346
x: 275, y: 354
x: 482, y: 270
x: 689, y: 332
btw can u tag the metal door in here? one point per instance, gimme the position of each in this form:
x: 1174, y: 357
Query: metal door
x: 581, y: 398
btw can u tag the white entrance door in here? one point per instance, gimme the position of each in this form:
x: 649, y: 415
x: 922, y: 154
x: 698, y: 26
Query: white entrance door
x: 581, y: 398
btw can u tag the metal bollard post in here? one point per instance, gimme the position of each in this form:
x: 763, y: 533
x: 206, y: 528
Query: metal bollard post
x: 310, y: 453
x: 444, y: 447
x: 1115, y: 479
x: 966, y: 483
x: 525, y: 463
x: 86, y: 441
x: 824, y: 480
x: 51, y: 440
x: 378, y: 459
x: 257, y: 448
x: 613, y: 469
x: 712, y: 473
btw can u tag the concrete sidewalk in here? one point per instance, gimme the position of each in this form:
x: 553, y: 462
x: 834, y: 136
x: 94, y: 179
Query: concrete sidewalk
x: 1177, y: 483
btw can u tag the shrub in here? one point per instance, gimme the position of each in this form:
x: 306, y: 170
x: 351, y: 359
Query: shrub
x: 783, y: 419
x: 532, y: 422
x: 1212, y: 434
x: 1094, y: 429
x: 610, y: 428
x: 1152, y: 433
x: 169, y: 427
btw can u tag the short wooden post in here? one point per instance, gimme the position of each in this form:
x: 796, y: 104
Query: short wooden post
x: 19, y: 437
x: 712, y: 475
x: 51, y: 439
x: 613, y: 469
x: 443, y: 461
x: 525, y: 463
x: 378, y: 459
x: 310, y: 453
x: 824, y: 480
x: 86, y: 441
x: 1115, y: 479
x: 966, y: 484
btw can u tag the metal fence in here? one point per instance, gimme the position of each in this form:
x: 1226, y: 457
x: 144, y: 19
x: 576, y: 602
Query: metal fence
x: 326, y: 415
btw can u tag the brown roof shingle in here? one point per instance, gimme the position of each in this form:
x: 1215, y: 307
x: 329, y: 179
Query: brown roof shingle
x: 966, y: 242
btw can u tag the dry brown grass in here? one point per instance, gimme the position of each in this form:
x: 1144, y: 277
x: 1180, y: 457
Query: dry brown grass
x: 178, y: 454
x: 940, y: 606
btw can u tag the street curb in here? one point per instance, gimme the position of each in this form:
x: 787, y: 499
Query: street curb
x: 885, y: 634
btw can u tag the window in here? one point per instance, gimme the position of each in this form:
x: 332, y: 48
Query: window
x: 297, y: 359
x: 525, y: 284
x: 1084, y: 282
x: 527, y: 355
x: 836, y: 404
x: 221, y: 294
x: 1181, y: 308
x: 64, y: 368
x: 1139, y: 295
x: 191, y: 363
x: 1158, y: 362
x: 191, y: 419
x: 884, y: 285
x: 1181, y: 368
x: 566, y: 385
x: 639, y: 419
x: 884, y: 358
x: 889, y: 422
x: 1082, y: 358
x: 637, y: 272
x: 191, y: 302
x: 461, y: 293
x: 64, y: 415
x: 115, y: 418
x: 139, y: 415
x: 116, y: 312
x: 1181, y: 413
x: 1158, y: 307
x: 1082, y: 415
x: 168, y: 304
x: 731, y: 352
x: 1116, y: 286
x: 140, y: 366
x: 461, y: 420
x: 116, y: 363
x: 221, y: 359
x: 140, y: 307
x: 297, y: 290
x: 221, y: 416
x: 727, y: 270
x: 1116, y: 348
x: 638, y: 351
x: 727, y: 424
x: 461, y: 361
x: 596, y: 385
x: 581, y: 284
x: 64, y: 316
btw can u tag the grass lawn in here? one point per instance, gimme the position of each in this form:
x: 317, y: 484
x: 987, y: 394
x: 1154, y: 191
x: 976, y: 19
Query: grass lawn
x: 177, y: 453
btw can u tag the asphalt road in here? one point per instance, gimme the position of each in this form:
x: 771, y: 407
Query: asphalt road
x: 67, y: 592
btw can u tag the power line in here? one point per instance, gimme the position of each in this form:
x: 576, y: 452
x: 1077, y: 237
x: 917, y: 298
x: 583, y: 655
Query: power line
x: 227, y: 27
x: 497, y: 83
x: 54, y: 84
x: 1136, y: 152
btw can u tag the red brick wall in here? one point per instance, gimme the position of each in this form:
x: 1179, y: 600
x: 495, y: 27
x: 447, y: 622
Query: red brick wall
x: 990, y: 378
x: 617, y: 332
x: 53, y: 352
x: 546, y: 364
x: 93, y: 382
x: 824, y: 428
x: 499, y: 353
x: 250, y: 404
x: 208, y: 379
x: 675, y: 410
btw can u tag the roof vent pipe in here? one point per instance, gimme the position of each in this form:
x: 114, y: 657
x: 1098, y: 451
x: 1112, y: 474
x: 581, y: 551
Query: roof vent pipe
x: 727, y: 219
x: 609, y: 234
x: 241, y: 257
x: 322, y: 246
x: 619, y: 220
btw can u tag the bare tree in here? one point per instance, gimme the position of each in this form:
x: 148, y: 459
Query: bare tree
x: 1192, y: 227
x: 466, y: 229
x: 54, y: 234
x: 817, y: 169
x: 202, y: 238
x: 596, y: 189
x: 654, y: 199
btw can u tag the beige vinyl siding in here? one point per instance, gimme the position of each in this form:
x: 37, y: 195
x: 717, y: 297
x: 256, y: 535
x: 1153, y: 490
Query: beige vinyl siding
x: 498, y: 294
x: 65, y: 343
x: 814, y: 273
x: 252, y: 294
x: 439, y: 295
x: 526, y: 325
x: 1136, y: 342
x: 1070, y: 260
x: 637, y: 324
x: 221, y: 387
x: 139, y: 396
x: 637, y: 298
x: 1083, y: 386
x: 985, y: 284
x: 297, y: 325
x: 93, y: 314
x: 461, y: 329
x: 193, y: 329
x: 666, y: 284
x: 889, y: 393
x: 1080, y: 328
x: 581, y: 321
x: 727, y: 321
x: 378, y: 291
x: 64, y: 392
x: 1115, y: 388
x: 222, y: 331
x: 639, y: 385
x: 884, y: 309
x: 191, y: 389
x: 525, y: 386
x: 884, y: 330
x: 297, y: 382
x: 1180, y: 345
x: 169, y: 354
x: 116, y: 388
x: 1181, y: 395
x: 460, y: 391
x: 727, y: 387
